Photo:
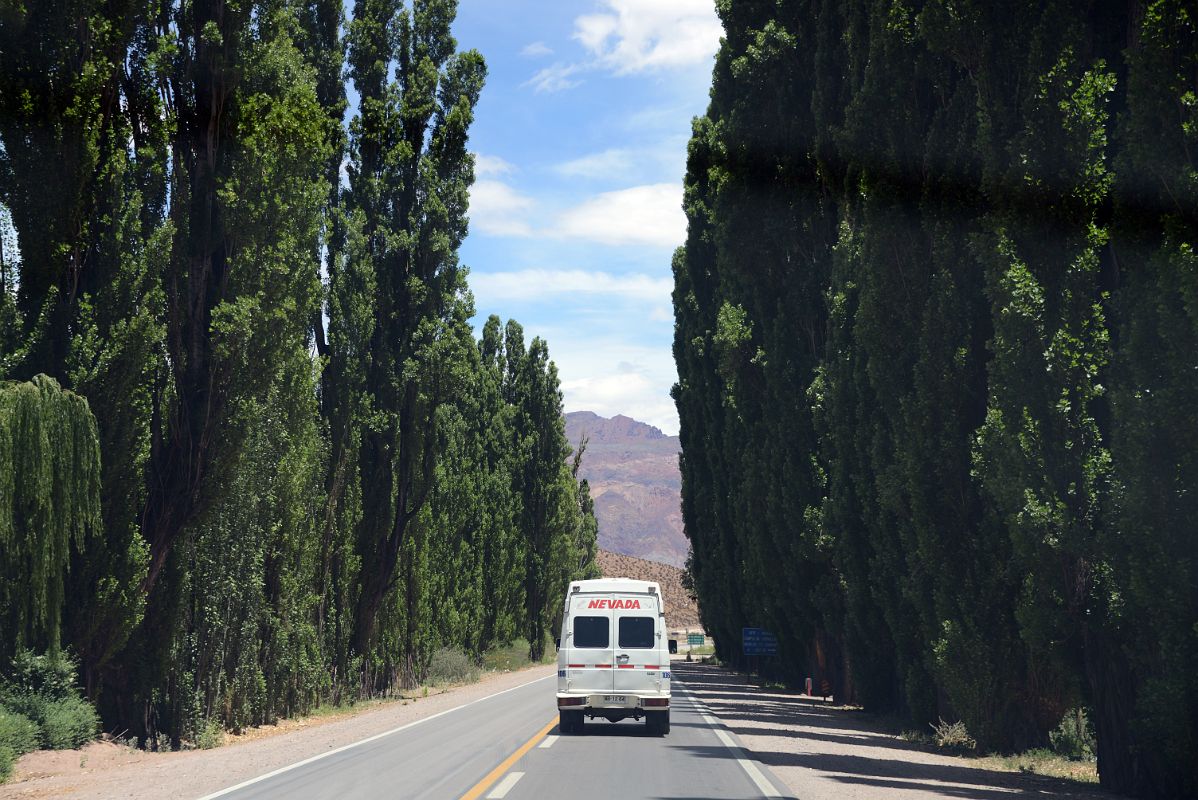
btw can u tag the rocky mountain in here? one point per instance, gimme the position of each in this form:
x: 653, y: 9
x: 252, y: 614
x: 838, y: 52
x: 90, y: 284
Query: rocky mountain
x: 681, y: 611
x: 633, y: 472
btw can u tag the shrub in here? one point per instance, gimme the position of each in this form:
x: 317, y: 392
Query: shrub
x: 449, y: 665
x: 50, y: 675
x: 7, y: 757
x: 17, y: 732
x: 1074, y: 738
x: 68, y: 722
x: 952, y: 736
x: 211, y: 735
x: 41, y: 688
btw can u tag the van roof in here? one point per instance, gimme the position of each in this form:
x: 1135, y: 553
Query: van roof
x: 617, y: 585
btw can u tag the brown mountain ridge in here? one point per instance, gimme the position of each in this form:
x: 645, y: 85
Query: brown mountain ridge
x: 681, y: 610
x: 632, y: 469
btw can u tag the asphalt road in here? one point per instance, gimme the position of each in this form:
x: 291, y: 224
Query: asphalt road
x: 507, y: 745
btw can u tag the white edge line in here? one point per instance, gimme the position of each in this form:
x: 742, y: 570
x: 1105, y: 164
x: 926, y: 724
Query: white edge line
x: 351, y: 745
x: 505, y: 786
x: 764, y: 785
x: 548, y: 742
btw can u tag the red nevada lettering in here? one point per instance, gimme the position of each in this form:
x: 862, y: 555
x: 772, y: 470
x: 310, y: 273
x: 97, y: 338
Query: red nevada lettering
x: 614, y: 604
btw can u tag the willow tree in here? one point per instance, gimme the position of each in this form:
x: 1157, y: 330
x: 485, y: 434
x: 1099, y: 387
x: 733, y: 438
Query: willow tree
x: 84, y: 143
x: 49, y: 506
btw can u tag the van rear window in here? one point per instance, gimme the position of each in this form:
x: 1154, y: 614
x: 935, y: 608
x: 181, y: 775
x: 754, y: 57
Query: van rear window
x: 636, y: 632
x: 591, y: 632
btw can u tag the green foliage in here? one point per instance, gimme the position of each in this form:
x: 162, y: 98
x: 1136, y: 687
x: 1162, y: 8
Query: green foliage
x: 1074, y: 737
x: 49, y: 506
x: 211, y: 735
x: 304, y: 480
x: 935, y: 341
x: 66, y: 723
x: 7, y: 757
x: 40, y: 689
x: 17, y: 732
x: 50, y: 675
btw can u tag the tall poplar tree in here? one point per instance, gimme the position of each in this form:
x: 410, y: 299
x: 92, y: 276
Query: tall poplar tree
x: 410, y: 174
x: 992, y: 206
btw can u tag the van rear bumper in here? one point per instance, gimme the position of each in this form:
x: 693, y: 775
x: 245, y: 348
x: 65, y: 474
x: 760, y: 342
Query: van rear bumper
x: 629, y: 700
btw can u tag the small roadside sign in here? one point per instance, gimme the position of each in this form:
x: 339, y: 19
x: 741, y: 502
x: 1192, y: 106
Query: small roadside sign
x: 694, y: 639
x: 758, y: 642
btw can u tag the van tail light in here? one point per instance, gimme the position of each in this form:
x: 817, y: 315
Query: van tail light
x: 571, y: 701
x: 656, y: 702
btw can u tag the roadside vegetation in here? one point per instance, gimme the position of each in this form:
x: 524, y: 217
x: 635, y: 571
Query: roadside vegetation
x: 41, y: 708
x: 253, y: 456
x: 1070, y: 755
x: 448, y: 667
x: 935, y: 336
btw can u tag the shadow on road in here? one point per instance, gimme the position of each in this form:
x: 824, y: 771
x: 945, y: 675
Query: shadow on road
x: 822, y: 751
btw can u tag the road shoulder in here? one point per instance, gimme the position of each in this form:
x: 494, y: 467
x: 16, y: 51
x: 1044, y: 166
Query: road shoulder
x: 823, y: 753
x: 106, y: 770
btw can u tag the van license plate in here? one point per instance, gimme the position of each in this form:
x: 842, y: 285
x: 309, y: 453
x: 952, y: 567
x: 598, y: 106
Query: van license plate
x: 615, y: 698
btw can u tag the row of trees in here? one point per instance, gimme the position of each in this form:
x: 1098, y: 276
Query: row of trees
x: 937, y: 318
x: 305, y: 473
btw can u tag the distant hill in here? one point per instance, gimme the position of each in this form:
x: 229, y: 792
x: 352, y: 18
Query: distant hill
x: 681, y: 611
x: 633, y: 472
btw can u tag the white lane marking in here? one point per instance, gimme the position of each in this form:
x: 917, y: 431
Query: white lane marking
x: 549, y: 740
x: 351, y: 745
x: 763, y: 784
x: 505, y: 786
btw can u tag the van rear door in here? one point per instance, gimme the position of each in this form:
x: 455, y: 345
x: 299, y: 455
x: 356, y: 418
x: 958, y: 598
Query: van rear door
x: 637, y: 629
x: 591, y: 639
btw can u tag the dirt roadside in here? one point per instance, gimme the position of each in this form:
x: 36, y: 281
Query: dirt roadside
x: 104, y: 770
x: 823, y: 753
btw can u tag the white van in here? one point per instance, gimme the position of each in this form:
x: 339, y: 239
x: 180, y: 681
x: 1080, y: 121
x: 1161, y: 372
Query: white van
x: 613, y: 659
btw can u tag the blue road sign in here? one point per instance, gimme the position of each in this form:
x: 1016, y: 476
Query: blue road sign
x: 758, y: 642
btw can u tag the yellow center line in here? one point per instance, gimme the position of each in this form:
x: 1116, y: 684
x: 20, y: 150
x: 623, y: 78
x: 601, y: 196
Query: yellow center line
x: 497, y: 773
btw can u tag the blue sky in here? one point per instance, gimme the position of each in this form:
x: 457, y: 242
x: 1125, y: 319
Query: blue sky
x: 580, y: 138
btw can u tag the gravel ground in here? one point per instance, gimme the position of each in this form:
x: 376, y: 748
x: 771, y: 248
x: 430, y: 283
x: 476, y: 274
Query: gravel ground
x: 826, y: 753
x: 104, y: 770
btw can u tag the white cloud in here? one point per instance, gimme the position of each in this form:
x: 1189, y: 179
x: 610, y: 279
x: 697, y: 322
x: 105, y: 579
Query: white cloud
x: 609, y: 163
x: 540, y: 284
x: 555, y: 78
x: 636, y: 36
x: 647, y: 215
x: 498, y: 209
x: 662, y: 313
x: 485, y: 166
x: 536, y: 50
x: 612, y: 361
x: 644, y: 396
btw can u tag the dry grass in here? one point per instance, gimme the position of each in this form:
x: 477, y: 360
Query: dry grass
x: 1042, y: 762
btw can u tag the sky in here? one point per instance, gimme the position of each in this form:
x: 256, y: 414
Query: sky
x: 580, y: 141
